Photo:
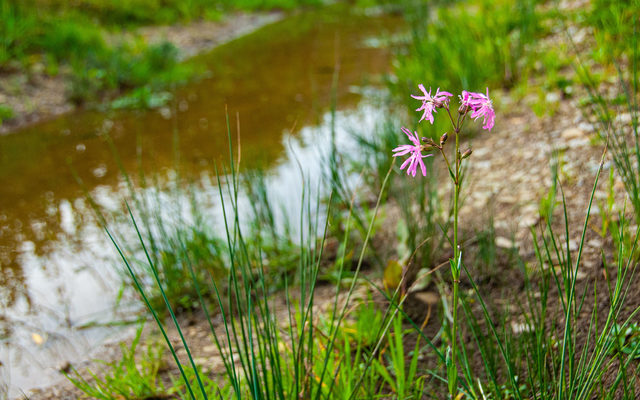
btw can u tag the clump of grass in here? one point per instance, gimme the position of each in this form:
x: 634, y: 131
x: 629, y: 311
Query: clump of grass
x: 6, y: 113
x: 269, y: 238
x: 614, y: 24
x: 17, y: 32
x: 133, y: 376
x: 261, y: 356
x: 616, y: 119
x: 550, y: 353
x: 149, y: 69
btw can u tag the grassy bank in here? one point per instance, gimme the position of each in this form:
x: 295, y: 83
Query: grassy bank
x: 93, y: 44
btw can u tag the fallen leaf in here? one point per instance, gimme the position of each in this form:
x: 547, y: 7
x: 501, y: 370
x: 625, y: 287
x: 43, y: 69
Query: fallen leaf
x: 37, y: 338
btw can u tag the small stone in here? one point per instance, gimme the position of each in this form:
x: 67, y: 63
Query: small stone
x: 552, y: 97
x: 530, y: 209
x: 528, y: 221
x: 504, y: 243
x: 601, y: 195
x: 595, y: 243
x: 520, y: 327
x: 624, y: 118
x: 572, y: 133
x: 581, y: 142
x: 586, y: 127
x: 429, y: 298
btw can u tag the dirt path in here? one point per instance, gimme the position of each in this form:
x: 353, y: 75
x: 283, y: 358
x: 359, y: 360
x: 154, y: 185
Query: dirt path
x: 34, y: 95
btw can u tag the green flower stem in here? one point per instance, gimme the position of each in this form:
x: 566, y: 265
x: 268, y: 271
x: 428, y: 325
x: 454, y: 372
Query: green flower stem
x: 455, y: 268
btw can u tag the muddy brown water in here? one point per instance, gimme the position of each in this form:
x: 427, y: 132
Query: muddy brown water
x: 57, y: 267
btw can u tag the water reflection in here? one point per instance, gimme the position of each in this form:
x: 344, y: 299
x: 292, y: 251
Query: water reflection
x: 57, y: 269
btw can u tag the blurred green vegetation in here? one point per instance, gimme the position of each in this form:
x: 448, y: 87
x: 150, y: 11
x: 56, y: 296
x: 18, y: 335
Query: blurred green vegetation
x: 501, y: 44
x: 5, y: 113
x: 80, y: 38
x: 614, y: 24
x: 468, y: 45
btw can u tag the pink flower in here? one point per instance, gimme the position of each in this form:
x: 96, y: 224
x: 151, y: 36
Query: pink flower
x: 465, y: 99
x: 430, y: 104
x: 481, y: 106
x: 416, y: 154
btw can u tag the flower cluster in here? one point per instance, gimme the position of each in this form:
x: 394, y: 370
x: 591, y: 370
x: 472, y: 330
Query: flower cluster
x: 478, y: 104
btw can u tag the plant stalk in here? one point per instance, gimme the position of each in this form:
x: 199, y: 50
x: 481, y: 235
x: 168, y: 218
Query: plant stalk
x: 455, y: 270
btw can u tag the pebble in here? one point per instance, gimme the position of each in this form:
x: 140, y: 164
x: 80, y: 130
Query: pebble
x: 595, y: 243
x: 429, y: 298
x: 528, y: 221
x: 581, y: 142
x: 504, y: 243
x: 552, y: 97
x: 201, y: 361
x: 624, y: 118
x: 586, y: 127
x: 572, y: 133
x: 520, y: 327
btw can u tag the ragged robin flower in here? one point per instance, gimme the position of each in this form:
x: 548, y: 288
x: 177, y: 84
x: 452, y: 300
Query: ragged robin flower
x: 416, y: 156
x: 430, y: 104
x: 480, y: 106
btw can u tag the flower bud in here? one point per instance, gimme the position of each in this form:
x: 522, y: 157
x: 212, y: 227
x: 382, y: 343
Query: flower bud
x: 463, y: 109
x: 466, y: 153
x: 443, y: 138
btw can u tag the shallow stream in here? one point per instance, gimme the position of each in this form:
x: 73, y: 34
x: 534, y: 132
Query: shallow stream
x: 59, y: 277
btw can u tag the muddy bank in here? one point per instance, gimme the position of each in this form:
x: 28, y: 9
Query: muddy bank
x: 33, y: 95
